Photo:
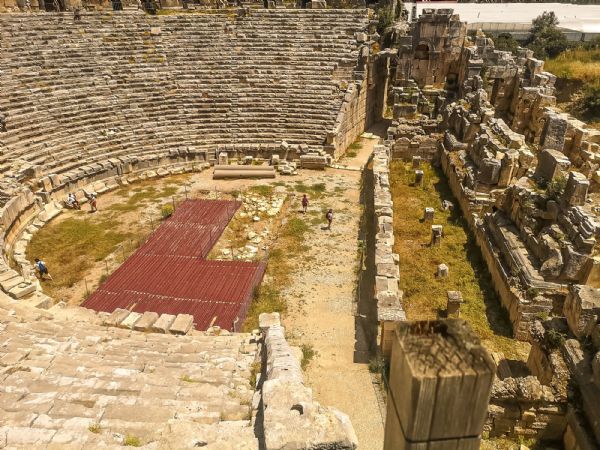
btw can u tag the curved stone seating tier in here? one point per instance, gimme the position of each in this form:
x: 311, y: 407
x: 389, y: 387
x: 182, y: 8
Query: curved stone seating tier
x: 129, y: 84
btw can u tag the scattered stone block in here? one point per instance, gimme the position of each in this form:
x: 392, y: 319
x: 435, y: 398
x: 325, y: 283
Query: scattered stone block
x: 425, y: 380
x: 21, y: 290
x: 582, y: 309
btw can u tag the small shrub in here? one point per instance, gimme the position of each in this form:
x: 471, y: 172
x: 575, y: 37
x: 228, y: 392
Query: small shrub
x: 376, y: 364
x: 255, y: 369
x: 262, y: 189
x: 556, y: 188
x: 188, y: 379
x: 555, y: 339
x: 308, y: 353
x: 166, y: 211
x: 295, y: 228
x: 132, y: 441
x: 94, y: 428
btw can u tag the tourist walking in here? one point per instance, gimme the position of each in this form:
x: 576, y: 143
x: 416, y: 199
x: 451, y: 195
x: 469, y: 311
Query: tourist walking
x: 304, y: 203
x: 42, y: 269
x: 93, y: 203
x: 329, y: 217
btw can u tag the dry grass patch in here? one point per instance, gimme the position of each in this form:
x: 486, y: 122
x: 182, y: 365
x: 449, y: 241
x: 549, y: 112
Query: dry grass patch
x: 579, y: 64
x: 424, y: 293
x: 268, y: 296
x: 71, y: 247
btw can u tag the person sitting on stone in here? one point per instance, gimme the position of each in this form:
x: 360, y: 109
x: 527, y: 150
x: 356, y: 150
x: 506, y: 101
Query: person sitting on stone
x: 76, y: 15
x: 72, y: 201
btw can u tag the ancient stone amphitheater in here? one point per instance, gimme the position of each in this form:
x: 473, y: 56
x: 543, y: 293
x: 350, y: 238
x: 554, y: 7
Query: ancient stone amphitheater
x: 118, y: 97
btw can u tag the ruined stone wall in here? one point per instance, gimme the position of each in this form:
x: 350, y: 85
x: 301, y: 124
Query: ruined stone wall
x: 291, y: 418
x: 387, y: 272
x: 351, y: 120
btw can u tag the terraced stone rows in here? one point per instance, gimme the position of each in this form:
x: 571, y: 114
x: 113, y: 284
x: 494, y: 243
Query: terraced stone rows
x: 79, y: 383
x: 205, y: 79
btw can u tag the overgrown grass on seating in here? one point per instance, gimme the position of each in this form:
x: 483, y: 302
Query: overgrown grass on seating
x: 425, y: 294
x: 70, y: 248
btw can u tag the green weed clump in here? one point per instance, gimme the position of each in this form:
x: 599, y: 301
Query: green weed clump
x: 308, y: 354
x: 132, y: 441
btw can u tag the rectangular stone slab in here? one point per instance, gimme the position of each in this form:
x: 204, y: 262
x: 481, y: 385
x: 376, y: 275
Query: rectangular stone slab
x: 182, y: 324
x: 146, y: 321
x: 163, y: 323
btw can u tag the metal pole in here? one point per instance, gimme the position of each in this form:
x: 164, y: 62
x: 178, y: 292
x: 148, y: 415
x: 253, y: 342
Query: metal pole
x: 106, y: 263
x: 87, y: 292
x: 173, y: 203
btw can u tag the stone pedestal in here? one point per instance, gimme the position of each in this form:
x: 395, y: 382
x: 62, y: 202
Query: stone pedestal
x: 416, y: 162
x: 428, y: 214
x: 453, y: 305
x: 442, y: 271
x: 223, y: 159
x: 419, y: 177
x: 436, y: 234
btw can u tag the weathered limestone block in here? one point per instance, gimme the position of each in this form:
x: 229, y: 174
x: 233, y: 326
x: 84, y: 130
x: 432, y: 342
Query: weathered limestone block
x: 442, y: 271
x: 576, y: 190
x: 428, y: 214
x: 163, y: 323
x: 437, y: 232
x: 116, y: 317
x: 489, y: 171
x: 454, y: 299
x: 582, y: 309
x: 419, y: 175
x: 182, y: 324
x: 553, y: 134
x: 145, y: 322
x: 130, y: 320
x: 550, y: 164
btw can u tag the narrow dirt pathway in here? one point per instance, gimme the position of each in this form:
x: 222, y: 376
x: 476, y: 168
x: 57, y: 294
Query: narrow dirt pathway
x: 321, y: 304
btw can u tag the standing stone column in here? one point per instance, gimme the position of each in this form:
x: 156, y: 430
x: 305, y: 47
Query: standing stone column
x: 439, y: 387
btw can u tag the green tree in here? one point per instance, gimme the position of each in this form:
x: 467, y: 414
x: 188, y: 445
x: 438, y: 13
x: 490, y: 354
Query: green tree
x: 590, y: 102
x: 506, y: 42
x: 546, y: 39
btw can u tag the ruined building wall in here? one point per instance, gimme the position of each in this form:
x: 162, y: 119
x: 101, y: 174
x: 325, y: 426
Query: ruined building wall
x: 435, y: 44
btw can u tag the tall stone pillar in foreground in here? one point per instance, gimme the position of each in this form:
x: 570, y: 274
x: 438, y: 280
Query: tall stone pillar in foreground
x: 439, y: 388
